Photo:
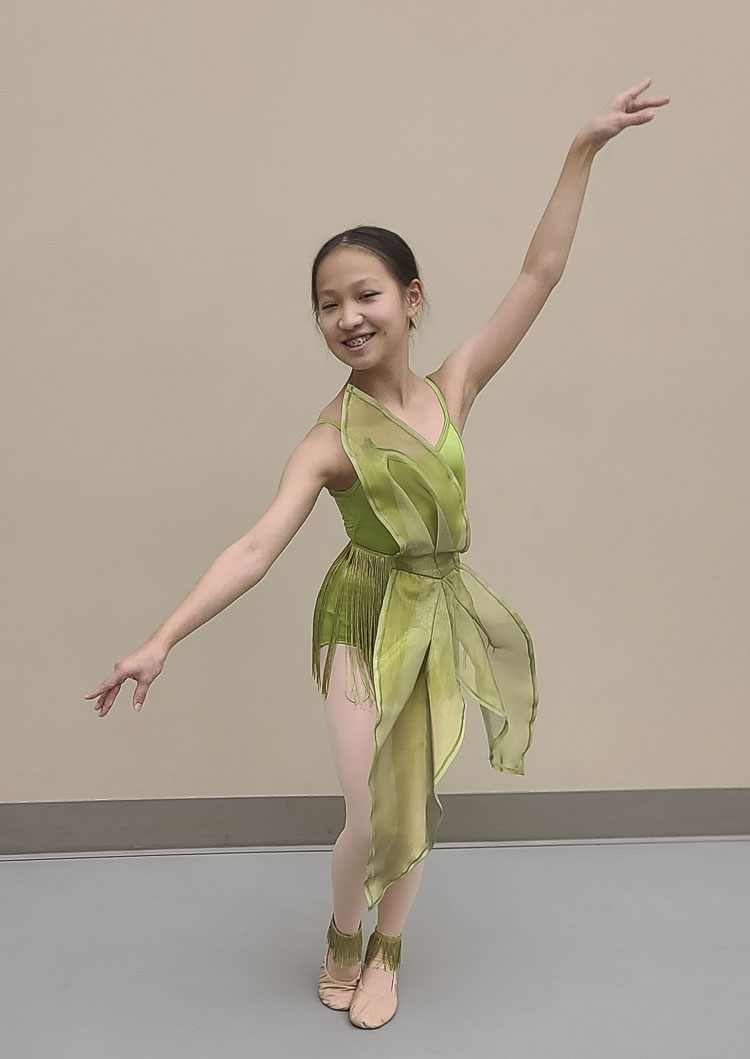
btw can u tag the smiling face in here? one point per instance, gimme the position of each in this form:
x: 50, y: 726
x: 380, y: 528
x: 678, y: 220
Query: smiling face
x: 357, y: 295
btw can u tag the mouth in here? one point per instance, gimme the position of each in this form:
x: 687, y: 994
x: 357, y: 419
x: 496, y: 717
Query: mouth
x: 358, y: 343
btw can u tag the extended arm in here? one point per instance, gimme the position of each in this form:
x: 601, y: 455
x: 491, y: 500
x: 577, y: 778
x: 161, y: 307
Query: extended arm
x: 245, y: 562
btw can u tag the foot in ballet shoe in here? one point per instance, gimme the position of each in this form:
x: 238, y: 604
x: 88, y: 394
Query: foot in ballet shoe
x: 343, y: 956
x: 375, y: 999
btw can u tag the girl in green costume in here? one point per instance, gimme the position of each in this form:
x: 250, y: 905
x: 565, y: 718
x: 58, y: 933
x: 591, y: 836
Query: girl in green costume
x: 420, y: 629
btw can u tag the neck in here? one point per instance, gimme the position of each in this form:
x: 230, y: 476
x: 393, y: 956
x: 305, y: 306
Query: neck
x: 393, y: 386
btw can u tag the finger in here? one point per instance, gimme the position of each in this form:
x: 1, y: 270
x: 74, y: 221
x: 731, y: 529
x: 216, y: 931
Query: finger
x: 628, y: 97
x: 104, y: 689
x: 639, y: 119
x: 104, y: 686
x: 653, y: 101
x: 637, y: 89
x: 100, y: 696
x: 108, y: 699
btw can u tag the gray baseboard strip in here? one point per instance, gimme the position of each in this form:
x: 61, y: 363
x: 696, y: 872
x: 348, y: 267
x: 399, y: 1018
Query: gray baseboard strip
x: 28, y: 828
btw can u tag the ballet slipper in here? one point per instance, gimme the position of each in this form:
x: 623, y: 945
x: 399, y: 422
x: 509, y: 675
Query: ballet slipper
x: 369, y: 1010
x: 344, y: 949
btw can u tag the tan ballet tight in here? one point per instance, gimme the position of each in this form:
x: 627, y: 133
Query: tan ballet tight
x: 350, y: 731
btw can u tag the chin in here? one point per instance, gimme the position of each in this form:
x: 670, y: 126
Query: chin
x: 352, y: 359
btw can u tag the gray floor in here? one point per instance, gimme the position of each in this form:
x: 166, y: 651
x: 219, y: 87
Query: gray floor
x: 605, y: 950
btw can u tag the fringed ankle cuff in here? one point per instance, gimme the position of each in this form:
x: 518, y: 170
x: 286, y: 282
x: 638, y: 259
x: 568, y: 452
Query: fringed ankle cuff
x: 344, y: 948
x: 390, y: 947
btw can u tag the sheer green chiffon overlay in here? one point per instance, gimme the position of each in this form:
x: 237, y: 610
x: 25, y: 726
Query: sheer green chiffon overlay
x: 427, y: 629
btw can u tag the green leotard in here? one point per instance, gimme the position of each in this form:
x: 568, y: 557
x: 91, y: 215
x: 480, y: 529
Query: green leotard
x: 365, y: 528
x: 426, y: 629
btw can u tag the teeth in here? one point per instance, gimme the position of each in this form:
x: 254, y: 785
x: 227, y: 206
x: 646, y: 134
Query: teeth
x: 358, y: 342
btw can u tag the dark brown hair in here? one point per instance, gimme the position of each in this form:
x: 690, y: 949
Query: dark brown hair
x: 392, y: 250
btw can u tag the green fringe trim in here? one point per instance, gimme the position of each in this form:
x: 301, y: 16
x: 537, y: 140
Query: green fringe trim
x: 344, y: 948
x: 362, y: 577
x: 389, y: 946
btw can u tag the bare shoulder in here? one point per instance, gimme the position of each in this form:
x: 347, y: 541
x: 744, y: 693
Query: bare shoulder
x: 333, y: 409
x: 340, y: 473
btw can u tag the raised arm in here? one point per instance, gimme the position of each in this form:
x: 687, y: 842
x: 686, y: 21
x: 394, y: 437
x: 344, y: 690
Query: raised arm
x: 467, y: 370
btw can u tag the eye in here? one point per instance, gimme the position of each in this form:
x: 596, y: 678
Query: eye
x: 370, y: 294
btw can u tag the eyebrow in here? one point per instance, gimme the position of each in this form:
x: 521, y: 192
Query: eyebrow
x: 365, y: 279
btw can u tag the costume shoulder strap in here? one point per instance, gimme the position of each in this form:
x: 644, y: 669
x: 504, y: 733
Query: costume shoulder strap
x: 439, y: 393
x: 333, y: 421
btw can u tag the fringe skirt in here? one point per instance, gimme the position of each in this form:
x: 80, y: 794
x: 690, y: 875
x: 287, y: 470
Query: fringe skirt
x: 347, y: 611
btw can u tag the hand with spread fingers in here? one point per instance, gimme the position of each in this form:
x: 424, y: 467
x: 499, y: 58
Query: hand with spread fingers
x: 143, y: 665
x: 623, y: 110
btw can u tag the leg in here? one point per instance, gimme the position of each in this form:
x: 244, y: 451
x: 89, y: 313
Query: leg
x: 350, y: 731
x: 395, y: 904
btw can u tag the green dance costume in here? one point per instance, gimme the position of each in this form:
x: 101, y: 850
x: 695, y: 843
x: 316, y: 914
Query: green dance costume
x: 427, y: 628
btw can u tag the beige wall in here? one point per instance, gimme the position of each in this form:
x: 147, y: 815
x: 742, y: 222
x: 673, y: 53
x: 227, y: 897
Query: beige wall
x: 170, y: 171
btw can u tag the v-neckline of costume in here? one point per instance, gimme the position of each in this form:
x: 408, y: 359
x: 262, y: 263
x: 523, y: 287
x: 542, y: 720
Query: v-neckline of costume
x: 446, y: 417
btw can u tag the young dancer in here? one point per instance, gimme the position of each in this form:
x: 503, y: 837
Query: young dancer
x: 402, y: 628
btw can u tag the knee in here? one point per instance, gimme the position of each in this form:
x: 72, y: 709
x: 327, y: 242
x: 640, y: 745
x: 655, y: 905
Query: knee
x: 357, y: 830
